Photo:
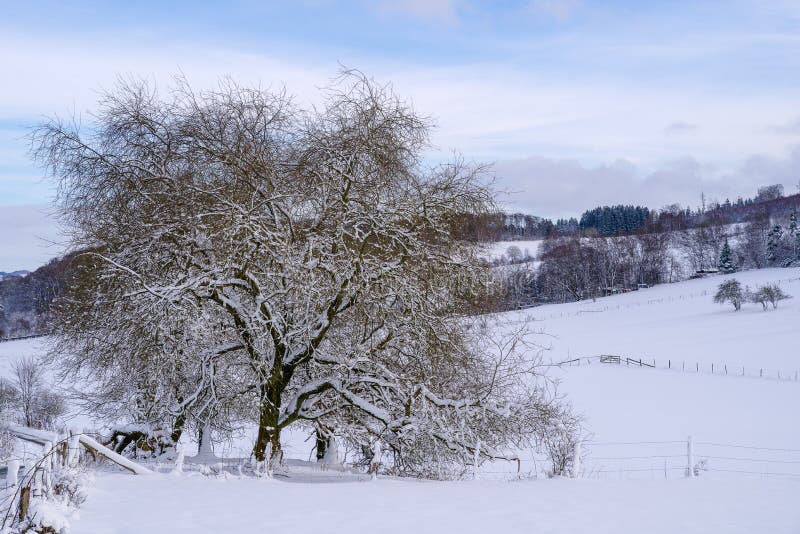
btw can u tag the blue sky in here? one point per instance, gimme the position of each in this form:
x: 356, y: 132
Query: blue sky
x: 575, y: 102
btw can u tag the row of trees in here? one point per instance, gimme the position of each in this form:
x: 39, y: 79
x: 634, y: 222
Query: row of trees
x: 615, y: 220
x: 574, y: 269
x: 250, y: 262
x: 732, y: 291
x: 579, y: 268
x: 627, y: 219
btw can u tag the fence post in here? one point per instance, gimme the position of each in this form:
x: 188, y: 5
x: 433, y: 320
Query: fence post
x: 576, y: 460
x: 690, y: 457
x: 12, y: 475
x: 38, y: 475
x: 476, y: 460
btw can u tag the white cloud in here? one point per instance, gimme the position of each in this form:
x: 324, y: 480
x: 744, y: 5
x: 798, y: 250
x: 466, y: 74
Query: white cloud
x: 562, y: 187
x: 679, y: 127
x: 789, y: 128
x: 552, y: 136
x: 437, y: 11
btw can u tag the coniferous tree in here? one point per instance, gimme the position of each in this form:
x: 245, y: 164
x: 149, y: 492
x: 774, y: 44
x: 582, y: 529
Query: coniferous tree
x: 773, y: 242
x: 725, y: 259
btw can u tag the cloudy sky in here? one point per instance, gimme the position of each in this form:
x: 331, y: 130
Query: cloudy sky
x: 576, y: 103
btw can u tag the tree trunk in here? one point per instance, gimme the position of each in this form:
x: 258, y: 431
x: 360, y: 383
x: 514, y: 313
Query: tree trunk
x: 205, y: 447
x: 322, y: 445
x: 268, y: 432
x: 177, y: 427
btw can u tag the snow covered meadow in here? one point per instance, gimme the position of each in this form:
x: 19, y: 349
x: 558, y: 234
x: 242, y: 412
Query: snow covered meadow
x: 637, y: 419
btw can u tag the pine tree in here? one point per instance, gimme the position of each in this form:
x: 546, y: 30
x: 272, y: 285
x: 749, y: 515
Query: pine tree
x: 794, y: 234
x: 773, y: 242
x: 725, y: 259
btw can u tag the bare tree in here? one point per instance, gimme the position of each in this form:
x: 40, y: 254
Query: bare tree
x: 39, y: 407
x: 314, y: 246
x: 702, y: 245
x: 753, y: 248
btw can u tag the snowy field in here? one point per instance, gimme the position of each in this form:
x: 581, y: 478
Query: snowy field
x: 734, y: 414
x: 121, y: 504
x: 746, y: 440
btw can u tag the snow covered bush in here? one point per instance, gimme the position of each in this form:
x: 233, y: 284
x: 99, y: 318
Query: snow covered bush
x: 249, y: 260
x: 559, y: 443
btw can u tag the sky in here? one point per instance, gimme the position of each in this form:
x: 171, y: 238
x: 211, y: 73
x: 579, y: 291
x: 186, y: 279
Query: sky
x: 574, y: 103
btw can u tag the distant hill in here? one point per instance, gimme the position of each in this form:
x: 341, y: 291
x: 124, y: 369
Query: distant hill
x: 25, y: 297
x: 4, y: 275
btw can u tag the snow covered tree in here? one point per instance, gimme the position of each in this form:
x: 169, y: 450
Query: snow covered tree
x: 794, y: 236
x: 309, y: 255
x: 769, y: 294
x: 753, y: 245
x: 774, y: 243
x: 37, y: 405
x: 726, y: 264
x: 730, y: 291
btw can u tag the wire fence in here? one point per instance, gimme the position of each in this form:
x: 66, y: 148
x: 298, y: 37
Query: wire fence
x: 704, y: 458
x: 668, y: 459
x: 682, y: 366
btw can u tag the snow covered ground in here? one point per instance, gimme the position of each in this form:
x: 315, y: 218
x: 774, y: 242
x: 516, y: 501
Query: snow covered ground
x: 735, y: 421
x: 121, y: 504
x: 679, y: 322
x: 746, y: 441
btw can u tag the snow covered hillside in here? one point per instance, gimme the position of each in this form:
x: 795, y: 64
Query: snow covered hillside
x: 741, y: 416
x: 738, y: 404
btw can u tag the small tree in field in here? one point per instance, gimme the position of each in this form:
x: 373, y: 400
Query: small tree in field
x: 730, y: 291
x: 769, y: 294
